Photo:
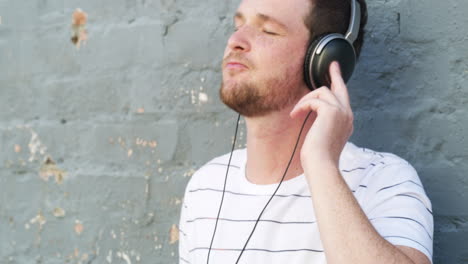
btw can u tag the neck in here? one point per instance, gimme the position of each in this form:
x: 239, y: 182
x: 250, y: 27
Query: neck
x: 270, y: 144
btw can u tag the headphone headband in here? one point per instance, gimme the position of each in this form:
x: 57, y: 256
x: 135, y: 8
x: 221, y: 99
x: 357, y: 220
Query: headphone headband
x: 354, y: 22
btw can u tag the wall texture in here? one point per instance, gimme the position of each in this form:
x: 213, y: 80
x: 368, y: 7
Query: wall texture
x: 97, y: 144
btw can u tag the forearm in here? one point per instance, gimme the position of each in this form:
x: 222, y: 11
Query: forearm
x: 346, y: 233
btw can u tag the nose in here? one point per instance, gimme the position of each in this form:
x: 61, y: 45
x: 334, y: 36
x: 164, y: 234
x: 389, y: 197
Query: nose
x: 239, y: 41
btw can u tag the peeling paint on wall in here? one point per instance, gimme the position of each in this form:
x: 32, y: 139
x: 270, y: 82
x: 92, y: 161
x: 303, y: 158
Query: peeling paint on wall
x: 143, y: 143
x: 35, y: 146
x: 124, y: 256
x: 50, y: 169
x: 39, y: 219
x: 59, y: 212
x: 202, y: 97
x: 189, y: 173
x: 173, y: 234
x: 109, y: 257
x: 17, y: 148
x: 78, y: 227
x: 79, y: 33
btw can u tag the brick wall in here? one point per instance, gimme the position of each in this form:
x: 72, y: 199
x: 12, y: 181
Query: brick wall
x: 97, y: 144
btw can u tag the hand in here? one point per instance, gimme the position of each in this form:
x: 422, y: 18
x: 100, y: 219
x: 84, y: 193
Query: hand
x: 333, y: 124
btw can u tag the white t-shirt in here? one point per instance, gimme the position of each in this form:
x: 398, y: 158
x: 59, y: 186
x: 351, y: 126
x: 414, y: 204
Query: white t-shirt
x: 387, y: 188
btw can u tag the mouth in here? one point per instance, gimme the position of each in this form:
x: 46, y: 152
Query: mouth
x: 234, y: 65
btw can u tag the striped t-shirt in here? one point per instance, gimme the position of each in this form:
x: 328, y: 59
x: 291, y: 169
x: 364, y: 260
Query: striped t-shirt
x: 387, y: 188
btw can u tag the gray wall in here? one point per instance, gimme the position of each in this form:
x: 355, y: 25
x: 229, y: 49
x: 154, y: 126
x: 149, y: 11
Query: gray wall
x: 97, y: 144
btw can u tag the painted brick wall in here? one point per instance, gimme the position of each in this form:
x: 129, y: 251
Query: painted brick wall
x: 97, y: 144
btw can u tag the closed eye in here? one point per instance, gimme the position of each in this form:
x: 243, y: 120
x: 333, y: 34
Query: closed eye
x: 270, y: 32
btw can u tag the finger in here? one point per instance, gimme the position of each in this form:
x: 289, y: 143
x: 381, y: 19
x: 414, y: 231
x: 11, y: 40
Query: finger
x: 312, y: 104
x: 327, y: 95
x: 338, y: 86
x: 321, y: 93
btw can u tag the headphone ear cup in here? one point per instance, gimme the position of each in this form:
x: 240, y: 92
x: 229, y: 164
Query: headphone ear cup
x: 337, y: 49
x: 308, y: 57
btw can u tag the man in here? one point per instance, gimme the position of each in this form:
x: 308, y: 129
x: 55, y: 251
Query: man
x: 338, y: 203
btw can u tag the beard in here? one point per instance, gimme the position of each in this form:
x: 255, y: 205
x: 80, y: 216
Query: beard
x: 255, y: 99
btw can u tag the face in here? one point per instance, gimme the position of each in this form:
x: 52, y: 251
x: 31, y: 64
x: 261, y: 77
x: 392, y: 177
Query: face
x: 263, y: 60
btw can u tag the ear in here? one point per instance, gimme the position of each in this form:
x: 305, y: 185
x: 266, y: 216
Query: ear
x: 321, y: 53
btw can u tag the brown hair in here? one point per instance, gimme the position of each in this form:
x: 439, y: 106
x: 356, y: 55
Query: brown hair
x: 332, y: 16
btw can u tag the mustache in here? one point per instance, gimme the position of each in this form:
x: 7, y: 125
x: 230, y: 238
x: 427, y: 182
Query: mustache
x: 237, y: 58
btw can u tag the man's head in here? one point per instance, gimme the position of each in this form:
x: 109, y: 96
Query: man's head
x: 263, y: 60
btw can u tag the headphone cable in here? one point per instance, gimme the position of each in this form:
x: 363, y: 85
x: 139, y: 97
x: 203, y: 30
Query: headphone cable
x: 261, y: 213
x: 224, y: 188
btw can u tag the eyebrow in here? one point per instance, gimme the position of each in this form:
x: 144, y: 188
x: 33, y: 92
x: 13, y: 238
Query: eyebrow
x: 263, y: 18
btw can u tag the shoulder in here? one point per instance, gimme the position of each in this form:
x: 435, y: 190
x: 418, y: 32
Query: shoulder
x: 353, y: 154
x: 383, y: 168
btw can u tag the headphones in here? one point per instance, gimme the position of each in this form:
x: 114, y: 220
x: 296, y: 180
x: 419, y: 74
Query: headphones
x: 332, y: 47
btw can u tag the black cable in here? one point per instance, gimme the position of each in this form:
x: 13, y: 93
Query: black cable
x: 258, y: 219
x: 224, y: 188
x: 289, y: 163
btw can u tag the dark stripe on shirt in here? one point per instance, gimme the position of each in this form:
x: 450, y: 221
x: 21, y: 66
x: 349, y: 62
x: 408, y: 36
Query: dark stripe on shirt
x: 373, y: 152
x: 406, y: 218
x: 359, y: 168
x: 363, y: 168
x: 428, y: 251
x: 391, y: 186
x: 405, y: 195
x: 184, y: 260
x: 248, y: 194
x: 360, y: 186
x: 257, y: 249
x: 350, y: 170
x: 248, y: 220
x: 222, y: 164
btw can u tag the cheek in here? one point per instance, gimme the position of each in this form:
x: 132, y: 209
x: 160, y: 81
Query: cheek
x: 284, y: 59
x: 291, y: 52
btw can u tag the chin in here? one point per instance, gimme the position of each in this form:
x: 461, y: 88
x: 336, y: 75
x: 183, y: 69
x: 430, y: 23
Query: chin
x: 255, y: 98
